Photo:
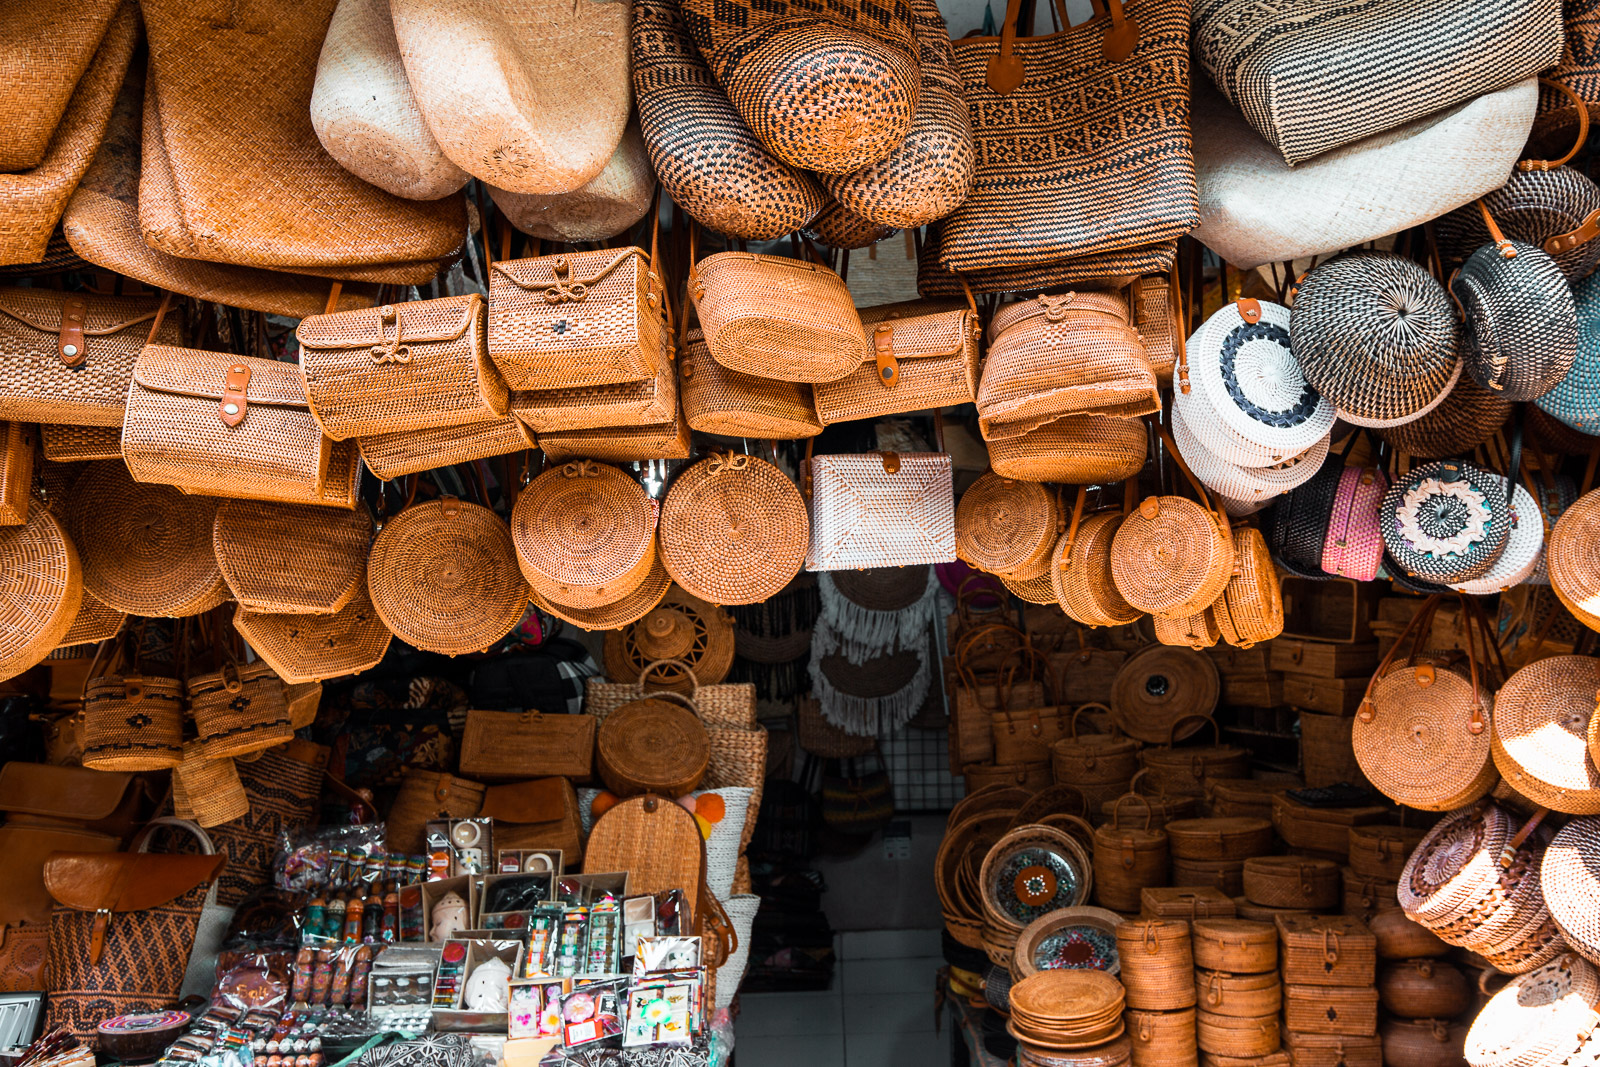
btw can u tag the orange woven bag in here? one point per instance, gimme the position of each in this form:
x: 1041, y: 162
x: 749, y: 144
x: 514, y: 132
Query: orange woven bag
x: 1007, y: 527
x: 1250, y: 609
x: 1173, y: 557
x: 585, y: 534
x: 924, y: 355
x: 1080, y: 568
x: 390, y: 455
x: 722, y: 401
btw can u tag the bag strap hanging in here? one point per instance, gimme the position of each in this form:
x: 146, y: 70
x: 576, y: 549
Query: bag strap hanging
x: 1205, y: 498
x: 1006, y: 70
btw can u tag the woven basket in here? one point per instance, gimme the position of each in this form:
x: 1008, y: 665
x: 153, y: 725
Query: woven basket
x: 1244, y: 490
x: 1161, y: 1038
x: 443, y: 577
x: 1220, y: 839
x: 1192, y: 631
x: 1163, y: 807
x: 1242, y: 796
x: 734, y: 529
x: 1292, y: 882
x: 309, y: 648
x: 1468, y: 416
x: 41, y: 588
x: 1127, y: 859
x: 1573, y: 559
x: 1224, y: 1035
x: 619, y: 444
x: 1381, y: 851
x: 1184, y: 770
x: 1296, y: 528
x: 94, y: 622
x: 426, y: 795
x: 303, y: 700
x: 1007, y: 527
x: 1030, y: 872
x: 1353, y: 547
x: 146, y: 549
x: 1080, y: 573
x: 1524, y: 548
x: 210, y: 786
x: 1173, y: 557
x: 1225, y: 876
x: 1162, y: 693
x: 131, y: 721
x: 80, y: 444
x: 838, y: 227
x: 651, y: 401
x: 1253, y: 599
x: 925, y: 356
x: 1424, y: 989
x: 1540, y: 733
x: 1071, y: 938
x: 1420, y: 1043
x: 290, y: 558
x: 653, y: 746
x: 1401, y: 938
x: 1326, y: 951
x: 1094, y: 759
x: 1321, y: 1010
x: 609, y: 204
x: 1235, y: 946
x: 880, y: 510
x: 738, y: 756
x: 722, y: 401
x: 1239, y: 996
x: 1364, y: 897
x: 393, y: 455
x: 1075, y: 450
x: 584, y: 534
x: 1455, y: 867
x: 1511, y: 291
x: 1571, y: 887
x: 1157, y: 964
x: 1446, y: 522
x: 1574, y: 401
x: 1421, y: 736
x: 1030, y: 776
x: 1329, y: 1050
x: 1192, y: 903
x: 239, y: 710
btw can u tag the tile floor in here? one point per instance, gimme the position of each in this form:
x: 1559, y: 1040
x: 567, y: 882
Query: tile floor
x: 879, y: 1012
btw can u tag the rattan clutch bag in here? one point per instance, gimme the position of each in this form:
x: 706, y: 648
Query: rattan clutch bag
x: 881, y: 509
x: 925, y: 355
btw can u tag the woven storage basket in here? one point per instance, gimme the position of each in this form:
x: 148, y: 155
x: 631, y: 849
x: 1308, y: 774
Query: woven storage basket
x: 1161, y: 1038
x: 145, y: 549
x: 1245, y: 490
x: 1007, y: 527
x: 1226, y: 876
x: 1235, y: 946
x: 303, y: 699
x: 239, y: 710
x: 1162, y: 693
x: 1219, y: 838
x: 734, y: 529
x: 1241, y: 796
x: 773, y: 317
x: 1376, y: 334
x: 722, y: 401
x: 1541, y: 1017
x: 1073, y: 938
x: 1420, y: 1042
x: 1331, y: 1050
x: 1192, y: 631
x: 1401, y: 938
x: 1163, y: 807
x: 1424, y: 989
x: 41, y: 588
x: 1252, y: 597
x: 1510, y: 292
x: 1127, y: 859
x: 1157, y: 964
x: 1239, y: 996
x: 211, y: 787
x: 443, y: 577
x: 1184, y: 770
x: 502, y: 745
x: 1381, y: 851
x: 1080, y: 573
x: 94, y: 622
x: 63, y: 40
x: 1094, y: 759
x: 1224, y: 1035
x: 653, y: 746
x: 1365, y: 897
x: 925, y: 355
x: 290, y: 558
x: 308, y: 648
x: 651, y: 401
x: 1292, y: 882
x: 605, y: 206
x: 1075, y: 450
x: 880, y: 510
x: 1184, y: 902
x: 393, y: 455
x: 1321, y: 831
x: 1052, y: 356
x: 1468, y: 416
x: 1326, y: 950
x: 1171, y: 556
x: 1421, y: 736
x: 80, y: 444
x: 1323, y: 1010
x: 584, y: 534
x: 1572, y: 558
x: 1540, y: 732
x: 1296, y: 528
x: 738, y: 757
x: 131, y: 721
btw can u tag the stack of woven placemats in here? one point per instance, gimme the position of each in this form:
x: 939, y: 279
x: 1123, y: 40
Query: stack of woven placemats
x: 1066, y: 1011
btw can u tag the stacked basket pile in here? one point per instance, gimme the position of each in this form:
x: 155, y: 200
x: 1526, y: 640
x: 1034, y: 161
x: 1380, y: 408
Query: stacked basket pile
x: 1330, y: 995
x: 1236, y: 974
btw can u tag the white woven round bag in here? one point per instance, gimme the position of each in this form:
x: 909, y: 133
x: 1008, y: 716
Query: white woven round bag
x: 1240, y: 366
x: 1524, y: 549
x: 1253, y: 487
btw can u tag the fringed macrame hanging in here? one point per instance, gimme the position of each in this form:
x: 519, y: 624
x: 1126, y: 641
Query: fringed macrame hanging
x: 870, y: 695
x: 873, y: 611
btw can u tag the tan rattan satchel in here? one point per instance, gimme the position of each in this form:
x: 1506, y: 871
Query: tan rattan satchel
x: 1250, y: 609
x: 652, y: 401
x: 722, y: 401
x: 1007, y: 527
x: 1080, y: 569
x: 1173, y: 557
x: 734, y: 529
x: 1074, y: 450
x: 619, y: 444
x: 80, y: 444
x: 292, y: 559
x: 390, y: 455
x: 925, y: 355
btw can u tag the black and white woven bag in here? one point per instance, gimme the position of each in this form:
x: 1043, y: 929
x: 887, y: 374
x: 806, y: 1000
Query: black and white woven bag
x: 1446, y: 522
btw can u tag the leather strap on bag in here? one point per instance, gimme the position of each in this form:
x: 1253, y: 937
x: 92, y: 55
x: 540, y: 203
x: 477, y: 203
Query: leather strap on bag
x: 1205, y: 498
x: 1527, y: 165
x: 1006, y: 70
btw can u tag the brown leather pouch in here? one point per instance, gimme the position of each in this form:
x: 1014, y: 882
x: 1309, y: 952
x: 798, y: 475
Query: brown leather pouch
x: 108, y: 884
x: 24, y: 958
x: 542, y: 813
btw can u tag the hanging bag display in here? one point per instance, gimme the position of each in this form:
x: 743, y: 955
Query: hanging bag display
x: 1353, y: 545
x: 41, y: 589
x: 131, y: 721
x: 734, y: 529
x: 239, y: 708
x: 925, y: 355
x: 881, y: 509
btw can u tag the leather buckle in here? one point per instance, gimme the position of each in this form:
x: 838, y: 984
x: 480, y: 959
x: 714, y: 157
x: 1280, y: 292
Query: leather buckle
x: 234, y: 403
x: 1150, y: 507
x: 883, y: 352
x: 1585, y: 232
x: 69, y: 346
x: 1249, y: 309
x: 1425, y: 675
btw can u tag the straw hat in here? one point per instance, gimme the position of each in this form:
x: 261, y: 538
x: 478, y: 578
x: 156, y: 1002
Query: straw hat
x: 608, y: 204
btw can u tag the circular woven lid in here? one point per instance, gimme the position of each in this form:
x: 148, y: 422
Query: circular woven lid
x: 1572, y: 557
x: 1170, y: 557
x: 1248, y: 373
x: 1377, y: 335
x: 309, y: 648
x: 276, y: 554
x: 1005, y: 526
x: 1067, y: 995
x: 658, y: 745
x: 1455, y: 865
x: 1159, y: 686
x: 1419, y: 748
x: 1541, y: 1017
x: 443, y: 577
x: 882, y: 588
x: 709, y: 655
x: 1082, y: 584
x: 1245, y: 484
x: 1080, y: 938
x: 1521, y: 335
x: 41, y: 589
x: 734, y: 530
x: 637, y: 605
x: 1524, y: 548
x: 145, y: 549
x: 1446, y: 521
x: 583, y: 525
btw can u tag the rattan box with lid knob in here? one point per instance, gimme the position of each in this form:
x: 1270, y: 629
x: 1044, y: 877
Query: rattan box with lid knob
x: 1235, y: 946
x: 1327, y: 950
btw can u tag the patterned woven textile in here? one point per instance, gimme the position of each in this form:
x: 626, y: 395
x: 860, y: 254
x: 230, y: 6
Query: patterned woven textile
x: 865, y: 514
x: 1312, y: 75
x: 1106, y: 268
x: 284, y: 786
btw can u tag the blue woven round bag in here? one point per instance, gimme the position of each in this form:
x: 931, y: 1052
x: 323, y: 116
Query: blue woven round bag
x: 1576, y: 399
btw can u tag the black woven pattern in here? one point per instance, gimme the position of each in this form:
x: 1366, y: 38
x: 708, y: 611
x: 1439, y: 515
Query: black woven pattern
x: 1444, y: 517
x: 1312, y: 75
x: 1293, y: 415
x: 1375, y: 334
x: 1083, y: 157
x: 1532, y: 206
x: 1297, y: 524
x: 1521, y: 336
x: 708, y: 160
x: 284, y: 786
x: 1469, y: 416
x: 838, y: 227
x: 1110, y: 268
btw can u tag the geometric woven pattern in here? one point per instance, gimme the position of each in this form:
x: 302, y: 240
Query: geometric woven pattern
x: 865, y: 516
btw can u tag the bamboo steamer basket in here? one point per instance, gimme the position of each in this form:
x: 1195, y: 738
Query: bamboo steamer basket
x: 653, y: 746
x: 1424, y: 989
x: 1423, y: 1042
x: 1236, y: 946
x: 1075, y: 938
x: 1162, y: 1038
x: 1292, y: 882
x: 1399, y: 938
x: 1326, y: 1050
x: 1224, y: 1035
x: 1157, y: 963
x: 1326, y: 950
x: 1184, y: 770
x: 1351, y: 1011
x: 1381, y: 851
x: 1162, y: 693
x: 1219, y: 839
x: 1128, y: 858
x: 1163, y: 807
x: 1540, y: 733
x: 1194, y: 903
x: 1226, y: 876
x: 1367, y: 897
x: 1542, y: 1017
x: 1242, y: 996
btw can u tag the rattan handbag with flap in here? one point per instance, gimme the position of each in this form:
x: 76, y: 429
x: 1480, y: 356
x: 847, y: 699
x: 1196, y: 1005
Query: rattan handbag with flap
x: 880, y: 509
x: 924, y: 355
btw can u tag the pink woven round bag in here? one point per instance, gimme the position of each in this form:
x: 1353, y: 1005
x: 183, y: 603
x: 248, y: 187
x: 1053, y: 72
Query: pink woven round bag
x: 1353, y: 546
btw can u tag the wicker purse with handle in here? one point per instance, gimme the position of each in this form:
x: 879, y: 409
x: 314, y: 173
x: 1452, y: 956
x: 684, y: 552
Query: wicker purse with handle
x: 1007, y: 527
x: 651, y: 402
x: 291, y: 559
x: 1080, y: 567
x: 1074, y: 450
x: 307, y: 648
x: 1173, y: 557
x: 584, y: 534
x: 925, y: 355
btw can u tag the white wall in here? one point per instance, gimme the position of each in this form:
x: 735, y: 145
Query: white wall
x: 964, y: 16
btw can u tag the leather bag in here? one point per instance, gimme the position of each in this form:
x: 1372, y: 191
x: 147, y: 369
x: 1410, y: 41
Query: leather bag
x: 512, y: 744
x: 542, y: 813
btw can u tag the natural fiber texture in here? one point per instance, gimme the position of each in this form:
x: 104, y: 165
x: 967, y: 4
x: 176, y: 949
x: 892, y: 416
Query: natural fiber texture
x: 32, y: 201
x: 1244, y: 489
x: 1524, y: 548
x: 619, y: 444
x: 687, y: 629
x: 926, y: 357
x: 1455, y: 867
x: 1576, y: 398
x: 392, y: 455
x: 1185, y: 770
x: 1080, y: 572
x: 630, y: 609
x: 365, y: 113
x: 132, y: 722
x: 610, y: 203
x: 1239, y: 996
x: 50, y: 48
x: 649, y: 402
x: 1252, y: 598
x: 1316, y: 1010
x: 1327, y: 951
x: 1224, y: 1035
x: 734, y: 530
x: 1539, y: 1017
x: 308, y: 648
x: 1542, y: 207
x: 1172, y: 557
x: 425, y: 795
x: 94, y: 622
x: 652, y: 746
x: 1220, y: 839
x: 1381, y: 851
x: 1153, y: 711
x: 1157, y: 964
x: 1445, y: 521
x: 1236, y: 946
x: 1063, y: 355
x: 1573, y: 559
x: 1292, y: 882
x: 1276, y: 66
x: 584, y: 534
x: 443, y: 576
x: 283, y: 787
x: 1128, y: 857
x: 80, y: 444
x: 38, y: 385
x: 1037, y: 590
x: 1424, y: 989
x: 527, y: 744
x: 774, y: 317
x: 291, y: 558
x: 238, y: 710
x: 1190, y: 631
x: 1571, y: 887
x: 1074, y: 450
x: 1507, y: 302
x: 1353, y: 547
x: 864, y: 516
x: 1051, y: 192
x: 1419, y: 747
x: 146, y: 549
x: 721, y: 401
x: 41, y: 589
x: 850, y: 69
x: 935, y: 282
x: 1007, y: 527
x: 708, y: 160
x: 1256, y: 209
x: 234, y: 199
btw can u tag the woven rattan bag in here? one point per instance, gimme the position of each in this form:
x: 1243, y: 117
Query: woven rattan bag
x: 400, y: 367
x: 131, y: 721
x: 1080, y: 568
x: 291, y: 559
x: 608, y: 204
x: 1541, y: 729
x: 59, y: 40
x: 880, y: 509
x: 308, y: 648
x: 80, y: 444
x: 1063, y: 355
x: 1573, y: 559
x: 734, y: 530
x: 1250, y: 609
x: 1074, y: 450
x: 619, y: 444
x: 41, y: 586
x: 649, y: 402
x: 1173, y: 557
x: 1244, y: 490
x: 503, y: 745
x: 722, y: 401
x: 18, y: 445
x: 1468, y: 416
x: 392, y: 455
x: 925, y: 355
x: 1007, y: 527
x: 1036, y: 201
x: 1446, y: 522
x: 239, y: 709
x: 1353, y: 546
x: 584, y: 534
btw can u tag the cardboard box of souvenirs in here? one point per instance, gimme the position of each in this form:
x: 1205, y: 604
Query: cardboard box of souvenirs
x: 465, y: 1000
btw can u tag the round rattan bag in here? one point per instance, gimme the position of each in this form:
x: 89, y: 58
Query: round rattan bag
x: 584, y: 534
x: 1541, y: 729
x: 443, y: 576
x: 41, y: 589
x: 1455, y: 868
x: 1250, y: 609
x: 1172, y: 557
x: 1190, y: 631
x: 1572, y: 559
x: 1468, y: 416
x: 1007, y: 527
x: 1524, y: 549
x: 1542, y: 1017
x: 1158, y: 687
x: 1247, y: 489
x: 653, y: 745
x: 1576, y: 398
x: 1080, y: 572
x: 734, y: 529
x: 1570, y: 875
x: 310, y: 648
x: 1446, y: 521
x: 1377, y: 335
x: 625, y: 612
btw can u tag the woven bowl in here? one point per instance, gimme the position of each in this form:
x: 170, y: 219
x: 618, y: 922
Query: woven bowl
x: 652, y: 746
x: 1076, y: 938
x: 734, y: 530
x: 41, y: 589
x: 584, y: 534
x: 1031, y: 872
x: 309, y: 648
x: 1007, y: 527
